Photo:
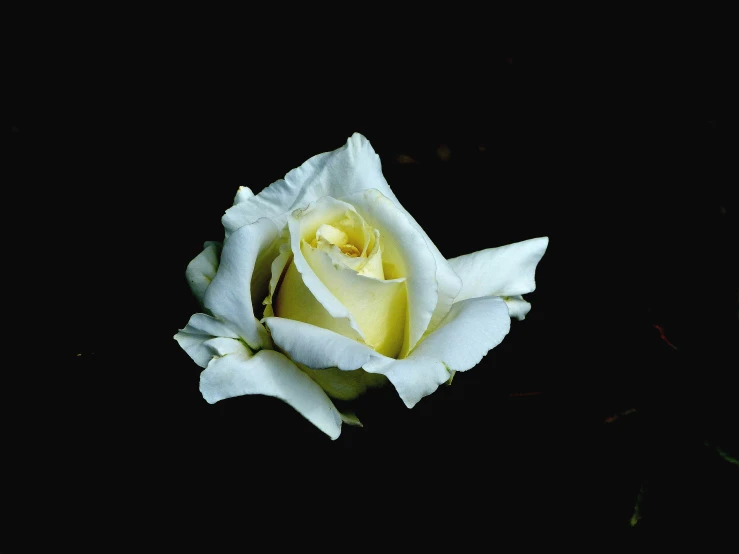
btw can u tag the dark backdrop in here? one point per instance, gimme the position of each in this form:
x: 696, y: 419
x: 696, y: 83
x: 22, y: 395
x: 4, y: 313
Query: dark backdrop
x: 615, y: 391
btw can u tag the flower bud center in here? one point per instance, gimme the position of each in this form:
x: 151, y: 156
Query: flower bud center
x: 350, y: 250
x: 336, y: 237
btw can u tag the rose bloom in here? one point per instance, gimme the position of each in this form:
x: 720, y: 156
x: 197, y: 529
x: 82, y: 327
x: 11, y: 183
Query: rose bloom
x: 326, y: 286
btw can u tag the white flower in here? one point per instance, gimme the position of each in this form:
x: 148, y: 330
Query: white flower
x: 325, y: 285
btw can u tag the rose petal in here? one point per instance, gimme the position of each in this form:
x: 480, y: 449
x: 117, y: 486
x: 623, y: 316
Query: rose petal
x: 277, y: 269
x: 505, y: 271
x: 352, y: 168
x: 469, y: 331
x: 202, y: 269
x: 196, y: 337
x: 318, y: 347
x: 405, y: 248
x: 517, y: 307
x: 292, y: 300
x: 448, y: 286
x: 242, y: 195
x: 379, y: 307
x: 413, y: 377
x: 242, y: 280
x: 295, y: 300
x: 222, y: 346
x: 271, y: 374
x: 344, y: 385
x: 332, y: 360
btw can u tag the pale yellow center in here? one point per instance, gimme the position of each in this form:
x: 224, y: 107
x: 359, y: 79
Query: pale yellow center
x: 351, y: 242
x: 346, y: 255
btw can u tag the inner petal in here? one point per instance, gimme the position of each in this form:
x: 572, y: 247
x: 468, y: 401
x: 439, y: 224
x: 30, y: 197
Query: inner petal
x: 373, y: 267
x: 294, y: 300
x: 358, y: 233
x: 331, y: 234
x: 350, y: 250
x: 351, y: 242
x: 378, y: 306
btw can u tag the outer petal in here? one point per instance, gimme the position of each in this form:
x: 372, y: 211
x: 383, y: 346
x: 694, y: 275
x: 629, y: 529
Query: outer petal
x: 198, y: 335
x: 448, y: 283
x: 465, y: 335
x: 517, y: 307
x: 202, y: 269
x: 277, y: 269
x: 414, y: 377
x: 272, y: 374
x: 405, y: 247
x: 504, y: 271
x: 319, y: 348
x: 242, y: 280
x: 331, y: 359
x: 469, y: 331
x: 242, y: 195
x: 352, y: 168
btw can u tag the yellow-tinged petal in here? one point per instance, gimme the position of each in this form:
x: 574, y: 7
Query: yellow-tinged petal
x: 344, y: 385
x: 332, y: 235
x: 379, y: 307
x: 372, y: 266
x: 295, y: 301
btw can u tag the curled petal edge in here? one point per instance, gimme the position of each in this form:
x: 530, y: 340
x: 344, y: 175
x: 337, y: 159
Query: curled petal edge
x: 270, y: 373
x: 469, y: 331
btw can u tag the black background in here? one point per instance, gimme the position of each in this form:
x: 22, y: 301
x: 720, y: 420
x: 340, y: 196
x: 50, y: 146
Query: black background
x: 125, y: 159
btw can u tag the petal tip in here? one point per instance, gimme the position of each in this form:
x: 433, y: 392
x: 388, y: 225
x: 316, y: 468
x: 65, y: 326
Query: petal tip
x: 409, y: 403
x: 242, y: 195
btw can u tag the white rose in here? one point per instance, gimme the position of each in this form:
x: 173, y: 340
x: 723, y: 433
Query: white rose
x: 325, y: 286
